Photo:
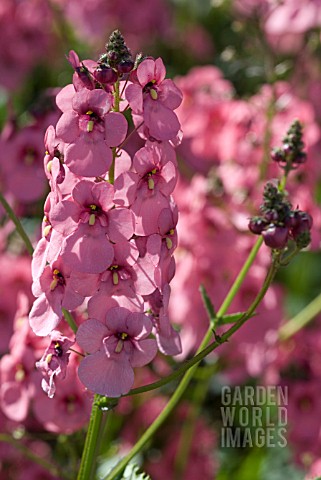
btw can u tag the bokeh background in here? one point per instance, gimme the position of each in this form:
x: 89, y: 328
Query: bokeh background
x: 247, y: 69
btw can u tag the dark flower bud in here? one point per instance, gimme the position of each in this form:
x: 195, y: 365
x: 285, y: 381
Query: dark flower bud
x: 277, y: 155
x: 118, y: 52
x: 275, y: 236
x: 104, y: 74
x: 257, y: 225
x: 291, y: 154
x: 300, y: 158
x: 294, y: 219
x: 112, y: 56
x: 302, y: 222
x: 125, y: 66
x: 271, y: 216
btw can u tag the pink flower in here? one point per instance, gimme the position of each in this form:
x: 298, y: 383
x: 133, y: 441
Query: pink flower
x: 69, y: 410
x: 148, y: 190
x: 155, y: 98
x: 54, y: 361
x: 17, y: 383
x: 89, y: 130
x: 116, y: 346
x: 123, y: 283
x: 82, y: 77
x: 159, y: 247
x: 90, y: 224
x: 53, y: 160
x: 168, y: 339
x: 24, y: 174
x: 54, y: 293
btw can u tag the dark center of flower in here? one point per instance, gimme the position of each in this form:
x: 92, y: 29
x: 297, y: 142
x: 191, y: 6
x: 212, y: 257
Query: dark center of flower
x: 94, y: 210
x: 70, y: 403
x: 122, y: 336
x: 89, y: 121
x: 151, y: 88
x: 58, y: 349
x: 58, y: 279
x: 168, y: 240
x: 20, y: 373
x: 150, y: 180
x: 115, y: 274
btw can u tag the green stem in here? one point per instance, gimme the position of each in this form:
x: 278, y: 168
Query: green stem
x: 89, y: 453
x: 17, y: 223
x: 177, y: 373
x: 116, y: 97
x: 282, y: 183
x: 70, y: 320
x: 28, y: 453
x: 118, y: 470
x: 187, y: 432
x: 111, y: 172
x: 203, y: 352
x: 270, y: 113
x: 301, y: 319
x: 240, y: 278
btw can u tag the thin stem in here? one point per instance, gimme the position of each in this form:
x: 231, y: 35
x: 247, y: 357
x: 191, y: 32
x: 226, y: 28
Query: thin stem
x: 301, y: 319
x: 88, y: 459
x: 202, y: 353
x: 187, y: 432
x: 208, y: 306
x: 17, y: 223
x: 76, y: 351
x: 111, y: 172
x: 177, y: 373
x: 240, y: 278
x: 116, y: 97
x: 28, y: 453
x: 70, y: 320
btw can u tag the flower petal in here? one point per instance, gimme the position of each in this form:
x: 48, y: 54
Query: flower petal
x: 115, y: 129
x: 106, y: 376
x: 90, y: 335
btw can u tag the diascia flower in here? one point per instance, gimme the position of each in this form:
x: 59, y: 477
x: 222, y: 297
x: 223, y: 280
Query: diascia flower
x: 89, y: 129
x: 90, y: 223
x: 154, y: 98
x: 54, y: 361
x: 116, y: 347
x: 54, y: 293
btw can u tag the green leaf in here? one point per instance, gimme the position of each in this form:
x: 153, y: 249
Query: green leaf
x: 208, y: 304
x: 232, y: 318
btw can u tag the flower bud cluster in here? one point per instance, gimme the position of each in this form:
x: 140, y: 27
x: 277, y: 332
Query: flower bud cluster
x: 109, y: 230
x: 291, y: 154
x: 279, y: 222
